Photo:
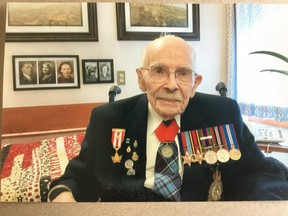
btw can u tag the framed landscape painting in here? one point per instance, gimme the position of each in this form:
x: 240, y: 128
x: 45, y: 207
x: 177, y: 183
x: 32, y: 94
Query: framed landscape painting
x: 138, y: 21
x: 51, y: 22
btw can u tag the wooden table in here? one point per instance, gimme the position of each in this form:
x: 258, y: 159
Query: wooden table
x: 272, y: 147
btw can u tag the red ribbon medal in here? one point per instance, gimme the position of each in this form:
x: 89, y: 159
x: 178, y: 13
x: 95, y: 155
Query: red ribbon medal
x: 117, y: 138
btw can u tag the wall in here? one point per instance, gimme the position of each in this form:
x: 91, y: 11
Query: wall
x: 211, y: 59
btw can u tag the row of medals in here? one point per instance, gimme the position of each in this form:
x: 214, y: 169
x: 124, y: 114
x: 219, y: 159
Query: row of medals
x: 211, y: 156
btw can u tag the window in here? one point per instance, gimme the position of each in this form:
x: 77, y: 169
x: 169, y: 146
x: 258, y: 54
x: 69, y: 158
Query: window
x: 261, y: 27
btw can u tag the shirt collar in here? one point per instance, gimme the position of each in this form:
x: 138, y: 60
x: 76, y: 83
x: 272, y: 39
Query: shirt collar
x: 154, y: 119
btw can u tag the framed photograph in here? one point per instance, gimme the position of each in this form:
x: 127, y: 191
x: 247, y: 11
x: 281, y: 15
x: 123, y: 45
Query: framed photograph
x: 140, y: 21
x: 45, y: 72
x: 97, y: 71
x: 51, y: 22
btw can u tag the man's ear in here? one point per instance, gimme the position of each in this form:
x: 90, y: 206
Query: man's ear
x: 141, y: 80
x: 197, y: 82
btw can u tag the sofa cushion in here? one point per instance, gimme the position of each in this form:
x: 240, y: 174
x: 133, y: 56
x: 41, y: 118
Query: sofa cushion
x: 28, y: 168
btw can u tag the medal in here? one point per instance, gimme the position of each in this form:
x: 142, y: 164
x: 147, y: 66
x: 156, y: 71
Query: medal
x: 116, y: 158
x: 117, y: 139
x: 216, y: 188
x: 223, y: 155
x: 129, y: 164
x: 206, y: 140
x: 210, y: 157
x: 131, y: 172
x: 235, y: 154
x: 135, y: 144
x: 187, y: 159
x: 135, y: 156
x: 128, y: 150
x: 198, y: 157
x: 166, y: 150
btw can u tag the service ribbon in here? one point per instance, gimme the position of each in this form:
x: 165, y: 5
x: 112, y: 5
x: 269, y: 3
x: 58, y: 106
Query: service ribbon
x: 117, y: 138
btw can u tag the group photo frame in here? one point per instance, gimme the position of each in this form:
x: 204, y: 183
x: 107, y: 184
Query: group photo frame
x: 51, y: 22
x: 33, y: 72
x: 97, y: 71
x: 140, y: 21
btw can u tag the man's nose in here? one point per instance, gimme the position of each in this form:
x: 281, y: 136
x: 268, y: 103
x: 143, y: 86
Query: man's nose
x: 171, y: 81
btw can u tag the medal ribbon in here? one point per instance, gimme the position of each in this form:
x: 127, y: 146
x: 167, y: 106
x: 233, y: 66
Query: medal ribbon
x: 224, y: 136
x: 217, y: 137
x: 214, y: 140
x: 186, y: 140
x: 197, y: 144
x: 232, y: 136
x: 117, y: 137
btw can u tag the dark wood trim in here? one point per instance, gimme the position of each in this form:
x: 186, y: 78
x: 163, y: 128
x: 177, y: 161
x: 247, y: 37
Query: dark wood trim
x: 25, y: 120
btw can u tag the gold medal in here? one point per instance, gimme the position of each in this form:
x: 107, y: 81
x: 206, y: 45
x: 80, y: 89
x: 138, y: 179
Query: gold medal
x: 117, y: 138
x: 210, y: 157
x: 167, y: 150
x: 116, y: 158
x: 187, y: 159
x: 135, y: 156
x: 198, y: 157
x: 216, y: 188
x: 128, y: 150
x: 223, y: 155
x: 235, y: 154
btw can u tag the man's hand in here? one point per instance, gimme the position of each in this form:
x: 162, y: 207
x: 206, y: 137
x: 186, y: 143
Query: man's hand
x: 65, y: 196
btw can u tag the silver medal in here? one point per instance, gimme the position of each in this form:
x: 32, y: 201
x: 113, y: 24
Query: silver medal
x: 129, y: 164
x: 167, y: 151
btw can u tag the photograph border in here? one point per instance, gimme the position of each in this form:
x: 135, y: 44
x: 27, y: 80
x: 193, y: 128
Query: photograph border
x: 123, y: 34
x: 35, y: 60
x: 91, y: 35
x: 98, y: 79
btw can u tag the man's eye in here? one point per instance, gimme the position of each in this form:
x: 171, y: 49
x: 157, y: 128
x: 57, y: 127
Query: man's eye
x: 159, y: 70
x: 182, y: 72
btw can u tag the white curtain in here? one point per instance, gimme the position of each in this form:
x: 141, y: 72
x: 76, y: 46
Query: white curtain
x: 255, y: 27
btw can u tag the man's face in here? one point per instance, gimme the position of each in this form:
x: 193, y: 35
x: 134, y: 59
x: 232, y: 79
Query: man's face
x: 66, y: 70
x: 27, y: 69
x: 104, y: 69
x: 168, y: 97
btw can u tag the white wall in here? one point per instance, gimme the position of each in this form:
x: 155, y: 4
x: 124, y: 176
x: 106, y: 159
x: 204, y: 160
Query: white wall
x: 210, y: 52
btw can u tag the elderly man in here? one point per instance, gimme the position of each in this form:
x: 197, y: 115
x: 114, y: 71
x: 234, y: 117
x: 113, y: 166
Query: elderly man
x: 27, y: 75
x: 170, y: 143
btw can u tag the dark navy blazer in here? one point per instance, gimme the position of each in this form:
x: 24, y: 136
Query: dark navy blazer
x: 92, y: 176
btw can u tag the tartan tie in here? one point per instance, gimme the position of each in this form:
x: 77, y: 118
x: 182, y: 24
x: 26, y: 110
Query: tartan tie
x: 167, y: 179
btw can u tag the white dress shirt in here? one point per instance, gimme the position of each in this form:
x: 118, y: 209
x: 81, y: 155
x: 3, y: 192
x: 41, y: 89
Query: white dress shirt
x: 153, y: 143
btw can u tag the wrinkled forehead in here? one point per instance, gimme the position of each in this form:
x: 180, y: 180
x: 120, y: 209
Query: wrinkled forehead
x: 168, y: 49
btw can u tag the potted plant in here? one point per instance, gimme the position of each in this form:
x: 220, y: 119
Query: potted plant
x: 276, y: 55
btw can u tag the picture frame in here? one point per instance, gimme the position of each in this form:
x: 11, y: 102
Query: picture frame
x: 136, y: 21
x: 78, y: 23
x: 97, y: 71
x: 32, y: 72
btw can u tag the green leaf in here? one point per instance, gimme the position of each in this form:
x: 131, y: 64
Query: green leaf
x: 277, y: 55
x: 285, y: 72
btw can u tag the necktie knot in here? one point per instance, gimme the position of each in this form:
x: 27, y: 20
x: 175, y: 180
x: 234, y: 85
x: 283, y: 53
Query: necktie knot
x: 167, y: 131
